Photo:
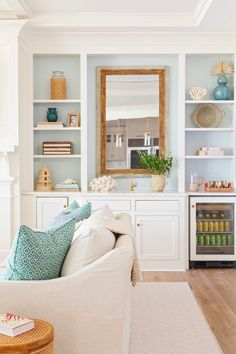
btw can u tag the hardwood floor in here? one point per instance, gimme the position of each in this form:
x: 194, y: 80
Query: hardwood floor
x: 215, y: 291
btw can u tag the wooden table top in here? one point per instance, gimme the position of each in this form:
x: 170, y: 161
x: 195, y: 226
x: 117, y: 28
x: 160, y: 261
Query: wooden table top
x: 40, y: 335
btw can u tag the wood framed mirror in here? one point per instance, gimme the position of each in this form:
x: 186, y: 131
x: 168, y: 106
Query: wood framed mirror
x: 131, y: 117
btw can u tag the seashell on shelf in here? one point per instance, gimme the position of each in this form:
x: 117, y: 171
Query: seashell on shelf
x: 197, y: 93
x: 102, y: 184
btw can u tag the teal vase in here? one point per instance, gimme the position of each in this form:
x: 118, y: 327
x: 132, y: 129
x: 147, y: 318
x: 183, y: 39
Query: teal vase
x: 52, y: 115
x: 222, y: 91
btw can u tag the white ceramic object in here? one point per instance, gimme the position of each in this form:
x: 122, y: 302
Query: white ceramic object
x: 158, y: 183
x: 102, y: 184
x: 197, y: 93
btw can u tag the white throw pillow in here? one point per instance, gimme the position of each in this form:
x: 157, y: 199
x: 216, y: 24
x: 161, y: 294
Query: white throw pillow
x: 95, y: 220
x: 92, y: 244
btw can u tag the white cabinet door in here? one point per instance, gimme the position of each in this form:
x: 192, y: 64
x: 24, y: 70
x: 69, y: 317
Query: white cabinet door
x: 158, y: 241
x: 48, y: 208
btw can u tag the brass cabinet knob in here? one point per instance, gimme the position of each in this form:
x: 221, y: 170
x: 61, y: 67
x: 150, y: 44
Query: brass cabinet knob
x: 193, y: 206
x: 65, y: 206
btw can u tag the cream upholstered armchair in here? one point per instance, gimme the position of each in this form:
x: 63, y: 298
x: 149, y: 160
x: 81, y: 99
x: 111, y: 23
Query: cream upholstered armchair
x: 89, y: 309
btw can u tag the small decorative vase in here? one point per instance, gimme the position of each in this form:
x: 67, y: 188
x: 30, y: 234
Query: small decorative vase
x: 222, y: 92
x: 158, y: 183
x: 52, y: 115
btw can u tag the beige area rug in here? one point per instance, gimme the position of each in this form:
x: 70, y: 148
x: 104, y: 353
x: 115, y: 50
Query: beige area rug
x: 166, y: 319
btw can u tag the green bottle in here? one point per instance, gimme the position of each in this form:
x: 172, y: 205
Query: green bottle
x: 218, y: 240
x: 207, y: 239
x: 201, y: 240
x: 197, y: 239
x: 230, y: 240
x: 223, y: 240
x: 213, y: 240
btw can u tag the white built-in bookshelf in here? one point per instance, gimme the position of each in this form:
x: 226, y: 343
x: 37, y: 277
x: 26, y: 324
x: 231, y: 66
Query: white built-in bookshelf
x: 198, y: 73
x: 60, y: 166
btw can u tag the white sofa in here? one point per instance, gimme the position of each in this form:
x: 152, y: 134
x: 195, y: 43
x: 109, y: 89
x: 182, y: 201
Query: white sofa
x: 88, y: 309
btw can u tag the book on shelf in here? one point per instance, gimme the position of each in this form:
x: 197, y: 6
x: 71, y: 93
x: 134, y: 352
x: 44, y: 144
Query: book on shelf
x: 67, y: 186
x: 49, y: 125
x: 57, y: 153
x: 12, y: 325
x: 64, y: 144
x: 56, y: 149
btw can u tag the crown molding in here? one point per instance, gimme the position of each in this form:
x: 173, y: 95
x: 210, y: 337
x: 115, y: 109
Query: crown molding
x: 117, y: 20
x: 11, y: 26
x: 19, y: 9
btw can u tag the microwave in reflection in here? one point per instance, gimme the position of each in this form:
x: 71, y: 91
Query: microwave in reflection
x: 133, y: 158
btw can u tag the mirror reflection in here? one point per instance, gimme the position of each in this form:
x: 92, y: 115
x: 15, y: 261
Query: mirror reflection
x: 132, y: 112
x: 132, y: 118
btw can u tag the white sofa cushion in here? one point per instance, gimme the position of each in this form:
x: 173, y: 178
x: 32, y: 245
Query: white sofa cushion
x: 95, y: 219
x: 91, y: 241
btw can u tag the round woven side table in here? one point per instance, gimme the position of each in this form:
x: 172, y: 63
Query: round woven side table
x: 36, y: 341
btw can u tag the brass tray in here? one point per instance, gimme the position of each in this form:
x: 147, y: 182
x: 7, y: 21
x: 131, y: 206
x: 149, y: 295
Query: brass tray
x: 207, y: 115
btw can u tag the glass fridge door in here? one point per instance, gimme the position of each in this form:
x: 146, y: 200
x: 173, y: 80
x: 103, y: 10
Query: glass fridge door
x: 214, y: 228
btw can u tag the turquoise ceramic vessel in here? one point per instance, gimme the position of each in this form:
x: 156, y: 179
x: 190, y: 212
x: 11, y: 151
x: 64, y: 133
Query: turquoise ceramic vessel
x: 222, y: 92
x: 52, y: 114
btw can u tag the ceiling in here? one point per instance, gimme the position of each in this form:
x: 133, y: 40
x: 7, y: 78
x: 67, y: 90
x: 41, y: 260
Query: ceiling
x: 123, y: 15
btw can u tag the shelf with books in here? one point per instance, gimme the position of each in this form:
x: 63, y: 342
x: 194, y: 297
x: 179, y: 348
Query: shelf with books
x: 209, y: 122
x: 62, y: 164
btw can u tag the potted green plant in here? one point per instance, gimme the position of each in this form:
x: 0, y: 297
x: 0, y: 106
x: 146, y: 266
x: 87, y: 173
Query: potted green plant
x: 159, y: 166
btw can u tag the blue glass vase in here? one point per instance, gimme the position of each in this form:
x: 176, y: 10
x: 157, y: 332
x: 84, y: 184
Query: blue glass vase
x: 222, y: 92
x: 52, y: 115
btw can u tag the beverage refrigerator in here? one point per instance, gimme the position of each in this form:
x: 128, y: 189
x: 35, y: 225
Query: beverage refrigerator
x: 212, y: 231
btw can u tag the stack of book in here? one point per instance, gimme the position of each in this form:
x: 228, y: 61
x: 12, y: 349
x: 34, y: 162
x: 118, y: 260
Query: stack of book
x: 13, y: 325
x: 50, y: 125
x: 67, y: 185
x: 57, y: 148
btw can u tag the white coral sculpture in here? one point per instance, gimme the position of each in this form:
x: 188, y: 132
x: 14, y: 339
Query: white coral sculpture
x: 102, y: 184
x: 222, y: 67
x: 197, y: 93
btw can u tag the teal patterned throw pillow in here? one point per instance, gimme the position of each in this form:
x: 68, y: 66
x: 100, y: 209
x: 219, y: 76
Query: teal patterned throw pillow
x: 38, y: 255
x: 73, y: 211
